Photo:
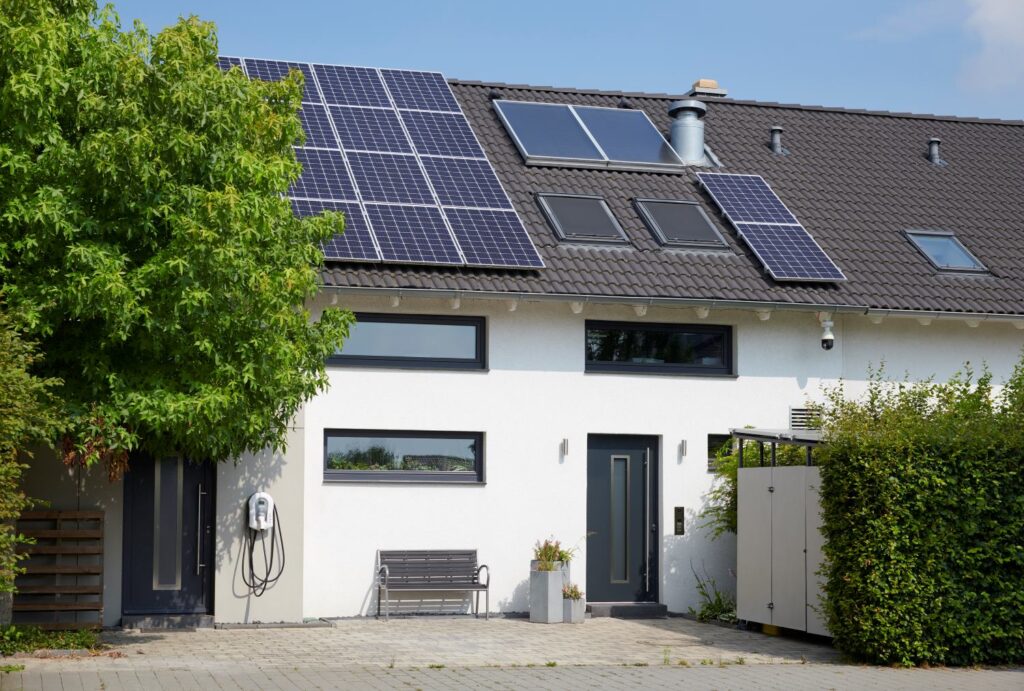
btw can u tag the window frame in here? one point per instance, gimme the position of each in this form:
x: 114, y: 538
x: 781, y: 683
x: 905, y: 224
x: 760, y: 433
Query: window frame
x: 713, y: 452
x: 552, y: 219
x: 478, y: 363
x: 913, y: 233
x: 427, y: 477
x: 728, y: 370
x: 639, y: 203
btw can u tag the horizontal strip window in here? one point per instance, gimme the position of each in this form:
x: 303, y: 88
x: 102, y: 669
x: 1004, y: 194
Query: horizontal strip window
x: 390, y: 456
x: 658, y: 348
x: 415, y: 341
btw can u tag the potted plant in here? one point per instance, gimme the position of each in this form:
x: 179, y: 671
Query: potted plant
x: 574, y: 607
x: 549, y: 572
x: 553, y: 556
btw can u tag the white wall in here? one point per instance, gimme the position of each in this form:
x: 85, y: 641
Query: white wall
x: 281, y: 475
x: 536, y: 393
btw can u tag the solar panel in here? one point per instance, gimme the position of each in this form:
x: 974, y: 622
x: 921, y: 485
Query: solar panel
x: 465, y: 182
x: 493, y: 238
x: 390, y: 178
x: 276, y: 70
x: 317, y: 127
x: 627, y: 136
x: 786, y: 249
x: 548, y: 132
x: 355, y: 243
x: 323, y: 176
x: 370, y: 129
x: 414, y: 234
x: 226, y: 62
x: 351, y: 86
x: 789, y: 252
x: 746, y: 198
x: 393, y: 151
x: 441, y: 134
x: 420, y: 91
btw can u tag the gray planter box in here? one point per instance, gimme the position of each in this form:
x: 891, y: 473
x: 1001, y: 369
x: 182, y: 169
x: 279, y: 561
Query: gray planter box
x: 546, y: 597
x: 574, y: 611
x: 562, y: 566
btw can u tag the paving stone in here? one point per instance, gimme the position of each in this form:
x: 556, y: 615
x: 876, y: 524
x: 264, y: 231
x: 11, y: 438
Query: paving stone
x: 442, y: 653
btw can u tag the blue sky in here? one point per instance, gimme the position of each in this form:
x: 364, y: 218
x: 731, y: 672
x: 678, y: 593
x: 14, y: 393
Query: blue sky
x: 960, y: 57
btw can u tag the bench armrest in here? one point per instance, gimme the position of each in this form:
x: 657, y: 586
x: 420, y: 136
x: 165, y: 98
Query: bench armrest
x: 382, y: 575
x: 484, y: 567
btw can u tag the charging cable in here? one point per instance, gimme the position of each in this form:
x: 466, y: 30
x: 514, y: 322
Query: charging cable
x: 259, y: 582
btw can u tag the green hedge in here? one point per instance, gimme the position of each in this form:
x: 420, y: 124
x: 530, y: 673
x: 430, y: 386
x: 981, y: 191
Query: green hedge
x: 923, y: 503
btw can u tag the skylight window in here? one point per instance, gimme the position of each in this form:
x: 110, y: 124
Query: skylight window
x: 582, y: 218
x: 679, y: 223
x: 945, y: 251
x: 553, y: 134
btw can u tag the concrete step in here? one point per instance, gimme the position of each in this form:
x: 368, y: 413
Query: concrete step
x: 167, y: 621
x: 628, y: 610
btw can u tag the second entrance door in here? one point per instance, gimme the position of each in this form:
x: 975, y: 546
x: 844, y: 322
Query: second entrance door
x: 622, y: 523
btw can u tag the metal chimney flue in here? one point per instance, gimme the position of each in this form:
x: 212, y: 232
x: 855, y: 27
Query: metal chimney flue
x: 934, y: 152
x: 776, y: 141
x: 687, y: 135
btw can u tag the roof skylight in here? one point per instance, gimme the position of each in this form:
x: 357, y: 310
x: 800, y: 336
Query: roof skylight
x: 945, y: 251
x: 679, y: 223
x: 554, y: 134
x: 581, y: 218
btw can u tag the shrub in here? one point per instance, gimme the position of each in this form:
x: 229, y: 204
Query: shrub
x: 923, y: 504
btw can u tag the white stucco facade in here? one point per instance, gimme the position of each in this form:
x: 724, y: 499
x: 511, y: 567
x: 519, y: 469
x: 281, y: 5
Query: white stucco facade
x: 533, y: 395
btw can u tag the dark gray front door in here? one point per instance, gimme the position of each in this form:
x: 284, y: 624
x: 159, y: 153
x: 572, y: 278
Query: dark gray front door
x: 168, y: 536
x: 622, y: 518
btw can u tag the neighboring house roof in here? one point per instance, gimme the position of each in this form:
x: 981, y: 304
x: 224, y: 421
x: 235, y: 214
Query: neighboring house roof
x: 855, y: 179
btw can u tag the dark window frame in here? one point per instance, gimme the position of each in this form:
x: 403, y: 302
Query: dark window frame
x: 477, y: 363
x: 727, y: 331
x: 713, y: 447
x: 913, y: 233
x: 477, y: 477
x: 639, y: 203
x: 552, y: 220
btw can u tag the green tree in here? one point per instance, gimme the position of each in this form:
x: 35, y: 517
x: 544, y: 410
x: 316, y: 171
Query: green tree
x: 146, y: 239
x: 28, y: 415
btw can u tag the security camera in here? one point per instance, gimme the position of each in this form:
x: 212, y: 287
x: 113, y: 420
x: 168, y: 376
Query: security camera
x: 828, y: 339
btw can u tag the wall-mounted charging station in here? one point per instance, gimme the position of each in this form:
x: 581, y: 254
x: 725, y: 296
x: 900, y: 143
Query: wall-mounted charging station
x: 264, y: 522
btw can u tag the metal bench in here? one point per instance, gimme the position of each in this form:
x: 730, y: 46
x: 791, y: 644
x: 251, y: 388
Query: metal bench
x: 432, y: 570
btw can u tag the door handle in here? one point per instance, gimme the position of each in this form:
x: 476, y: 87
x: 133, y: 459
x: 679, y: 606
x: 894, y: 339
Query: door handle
x: 647, y: 520
x: 199, y: 531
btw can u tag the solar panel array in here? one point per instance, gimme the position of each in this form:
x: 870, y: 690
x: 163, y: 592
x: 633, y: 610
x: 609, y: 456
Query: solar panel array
x: 777, y: 238
x: 393, y: 150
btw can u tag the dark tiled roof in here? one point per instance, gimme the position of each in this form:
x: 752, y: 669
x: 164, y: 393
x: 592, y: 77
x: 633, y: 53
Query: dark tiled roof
x: 855, y: 179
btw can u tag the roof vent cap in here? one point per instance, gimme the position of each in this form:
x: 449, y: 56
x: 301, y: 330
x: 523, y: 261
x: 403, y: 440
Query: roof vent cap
x: 687, y: 135
x: 776, y: 141
x: 707, y: 88
x: 934, y: 152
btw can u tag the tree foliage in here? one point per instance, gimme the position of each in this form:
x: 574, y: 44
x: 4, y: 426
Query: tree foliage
x: 922, y: 498
x: 28, y: 415
x: 145, y: 236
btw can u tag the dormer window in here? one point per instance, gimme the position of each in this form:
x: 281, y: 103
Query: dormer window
x: 945, y: 251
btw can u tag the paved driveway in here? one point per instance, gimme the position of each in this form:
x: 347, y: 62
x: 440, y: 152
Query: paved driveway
x: 442, y: 652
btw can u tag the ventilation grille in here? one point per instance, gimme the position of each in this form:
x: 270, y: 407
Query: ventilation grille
x: 804, y: 418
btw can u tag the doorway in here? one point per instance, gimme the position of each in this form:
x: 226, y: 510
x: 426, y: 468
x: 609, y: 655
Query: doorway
x: 168, y: 537
x: 622, y: 518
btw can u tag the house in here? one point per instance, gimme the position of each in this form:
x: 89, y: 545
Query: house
x: 577, y: 391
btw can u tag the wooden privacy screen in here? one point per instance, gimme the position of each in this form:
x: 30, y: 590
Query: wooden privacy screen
x: 62, y: 587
